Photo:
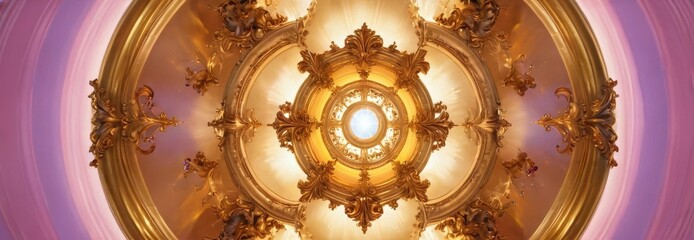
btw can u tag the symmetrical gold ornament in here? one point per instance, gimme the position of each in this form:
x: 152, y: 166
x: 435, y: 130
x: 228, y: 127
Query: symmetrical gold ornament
x: 473, y: 22
x: 134, y: 122
x: 318, y: 182
x: 496, y: 124
x: 292, y: 125
x: 578, y: 122
x: 476, y: 221
x: 409, y: 182
x: 200, y: 79
x: 244, y: 24
x: 433, y: 125
x: 363, y: 46
x: 363, y: 206
x: 519, y: 76
x: 243, y: 127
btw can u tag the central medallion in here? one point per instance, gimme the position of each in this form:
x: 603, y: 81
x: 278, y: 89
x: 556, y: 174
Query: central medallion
x: 364, y: 124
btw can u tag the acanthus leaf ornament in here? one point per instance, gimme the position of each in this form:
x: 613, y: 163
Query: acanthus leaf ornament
x: 519, y: 76
x: 199, y: 165
x: 408, y: 180
x: 434, y: 125
x: 318, y: 182
x: 408, y: 68
x: 578, y: 122
x: 363, y: 46
x: 364, y: 206
x: 497, y: 124
x: 245, y: 24
x: 135, y: 122
x: 473, y: 22
x: 319, y: 70
x: 243, y: 219
x: 292, y: 126
x: 476, y: 221
x: 521, y: 165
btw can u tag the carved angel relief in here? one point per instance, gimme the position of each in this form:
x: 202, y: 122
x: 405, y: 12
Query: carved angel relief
x: 578, y: 122
x: 292, y: 126
x: 134, y: 122
x: 434, y: 125
x: 245, y: 24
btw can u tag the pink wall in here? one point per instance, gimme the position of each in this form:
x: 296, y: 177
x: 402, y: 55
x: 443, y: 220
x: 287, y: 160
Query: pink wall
x: 49, y: 49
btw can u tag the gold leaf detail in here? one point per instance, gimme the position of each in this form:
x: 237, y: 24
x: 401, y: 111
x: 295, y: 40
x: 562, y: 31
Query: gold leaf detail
x: 364, y: 206
x: 318, y: 69
x: 476, y: 221
x: 363, y: 46
x: 496, y: 125
x: 407, y: 179
x: 318, y: 182
x: 136, y: 122
x: 292, y: 126
x: 245, y: 24
x: 577, y: 122
x: 243, y: 219
x: 243, y: 127
x: 434, y: 125
x: 519, y: 79
x: 408, y: 67
x: 473, y: 22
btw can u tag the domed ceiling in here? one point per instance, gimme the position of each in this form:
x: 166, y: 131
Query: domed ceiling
x: 390, y: 119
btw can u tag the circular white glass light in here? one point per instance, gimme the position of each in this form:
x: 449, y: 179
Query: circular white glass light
x: 364, y: 124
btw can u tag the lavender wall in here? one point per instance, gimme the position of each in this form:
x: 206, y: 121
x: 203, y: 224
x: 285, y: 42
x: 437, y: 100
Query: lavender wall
x: 49, y: 49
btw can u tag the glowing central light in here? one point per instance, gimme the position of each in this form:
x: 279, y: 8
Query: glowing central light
x: 364, y: 124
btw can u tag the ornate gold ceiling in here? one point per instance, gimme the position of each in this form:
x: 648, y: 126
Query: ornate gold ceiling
x: 363, y: 139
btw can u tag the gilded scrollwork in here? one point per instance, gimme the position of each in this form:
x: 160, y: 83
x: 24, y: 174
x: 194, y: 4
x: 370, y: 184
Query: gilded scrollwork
x: 579, y: 121
x: 319, y: 70
x: 473, y: 22
x: 292, y: 126
x: 364, y: 45
x: 135, y: 122
x: 318, y: 182
x: 245, y: 24
x: 364, y: 206
x: 201, y: 79
x: 408, y: 180
x: 497, y: 124
x: 243, y: 127
x: 409, y: 67
x: 476, y: 221
x: 520, y: 76
x: 434, y: 125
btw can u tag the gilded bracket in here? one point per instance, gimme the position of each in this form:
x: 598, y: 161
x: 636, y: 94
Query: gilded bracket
x: 578, y: 121
x: 135, y: 122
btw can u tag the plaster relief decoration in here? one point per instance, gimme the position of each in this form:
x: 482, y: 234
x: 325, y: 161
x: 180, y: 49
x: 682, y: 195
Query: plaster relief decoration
x: 580, y: 121
x: 328, y: 134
